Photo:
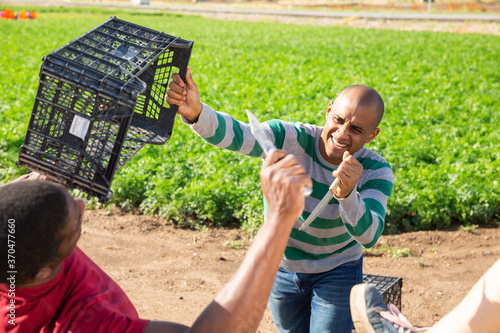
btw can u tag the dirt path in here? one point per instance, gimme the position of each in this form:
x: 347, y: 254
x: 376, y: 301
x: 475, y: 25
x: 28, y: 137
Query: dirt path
x: 172, y: 273
x: 492, y: 28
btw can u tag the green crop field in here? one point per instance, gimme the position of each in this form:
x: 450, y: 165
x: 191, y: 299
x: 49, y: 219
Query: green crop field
x: 440, y: 132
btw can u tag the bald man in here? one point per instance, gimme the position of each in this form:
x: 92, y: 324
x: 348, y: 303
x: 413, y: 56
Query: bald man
x: 323, y: 261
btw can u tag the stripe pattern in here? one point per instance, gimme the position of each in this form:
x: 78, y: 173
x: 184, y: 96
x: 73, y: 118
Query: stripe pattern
x: 337, y: 235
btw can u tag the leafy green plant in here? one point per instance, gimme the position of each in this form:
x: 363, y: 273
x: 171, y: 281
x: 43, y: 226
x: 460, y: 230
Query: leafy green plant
x: 236, y: 244
x: 439, y: 133
x: 435, y: 250
x: 384, y: 249
x: 469, y: 228
x: 420, y: 262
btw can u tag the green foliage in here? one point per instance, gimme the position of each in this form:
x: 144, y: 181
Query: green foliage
x: 384, y: 249
x: 236, y: 244
x: 469, y: 228
x: 440, y: 131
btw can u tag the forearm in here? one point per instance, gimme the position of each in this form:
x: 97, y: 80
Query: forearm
x: 223, y: 131
x: 239, y: 306
x: 478, y: 311
x: 363, y: 218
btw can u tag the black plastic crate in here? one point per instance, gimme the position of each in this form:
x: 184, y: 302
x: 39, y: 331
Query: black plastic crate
x: 100, y: 100
x: 388, y: 287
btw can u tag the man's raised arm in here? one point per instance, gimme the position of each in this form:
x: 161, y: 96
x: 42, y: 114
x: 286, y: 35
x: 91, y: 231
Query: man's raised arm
x: 240, y: 305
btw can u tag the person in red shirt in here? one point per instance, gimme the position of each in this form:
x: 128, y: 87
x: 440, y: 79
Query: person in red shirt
x: 47, y: 284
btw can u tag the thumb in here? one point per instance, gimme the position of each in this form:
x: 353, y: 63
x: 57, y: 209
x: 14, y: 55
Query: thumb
x: 274, y: 156
x: 346, y: 155
x: 189, y: 79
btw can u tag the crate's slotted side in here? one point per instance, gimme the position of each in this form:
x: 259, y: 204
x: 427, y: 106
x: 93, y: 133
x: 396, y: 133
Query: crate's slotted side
x: 389, y: 287
x: 151, y: 107
x: 153, y: 119
x: 53, y: 148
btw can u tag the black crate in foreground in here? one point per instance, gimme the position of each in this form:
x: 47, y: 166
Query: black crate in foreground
x: 388, y: 287
x: 100, y: 100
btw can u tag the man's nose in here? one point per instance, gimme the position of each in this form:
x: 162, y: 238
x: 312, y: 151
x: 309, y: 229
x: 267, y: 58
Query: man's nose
x: 342, y: 131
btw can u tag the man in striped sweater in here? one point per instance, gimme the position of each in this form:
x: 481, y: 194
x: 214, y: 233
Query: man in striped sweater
x: 323, y: 261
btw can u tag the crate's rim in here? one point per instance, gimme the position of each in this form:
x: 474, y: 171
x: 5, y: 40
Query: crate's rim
x: 190, y: 42
x: 69, y: 180
x: 134, y: 92
x: 187, y: 44
x: 110, y: 76
x: 31, y: 159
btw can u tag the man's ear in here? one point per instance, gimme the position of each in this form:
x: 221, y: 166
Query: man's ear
x: 373, y: 134
x: 46, y: 273
x: 329, y: 108
x: 43, y: 274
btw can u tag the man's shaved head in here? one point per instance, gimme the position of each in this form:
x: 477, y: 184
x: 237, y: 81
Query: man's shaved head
x: 363, y: 96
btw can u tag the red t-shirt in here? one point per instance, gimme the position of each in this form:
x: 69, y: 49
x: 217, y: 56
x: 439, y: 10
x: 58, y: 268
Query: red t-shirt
x: 80, y: 299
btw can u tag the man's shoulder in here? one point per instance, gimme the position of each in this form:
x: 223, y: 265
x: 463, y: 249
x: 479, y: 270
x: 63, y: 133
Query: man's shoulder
x: 303, y: 128
x: 371, y: 160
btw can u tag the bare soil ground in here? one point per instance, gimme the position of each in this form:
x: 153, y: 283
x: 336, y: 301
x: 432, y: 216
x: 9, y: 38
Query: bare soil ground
x: 172, y: 273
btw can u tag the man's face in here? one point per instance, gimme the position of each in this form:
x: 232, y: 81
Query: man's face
x: 73, y: 229
x: 348, y: 127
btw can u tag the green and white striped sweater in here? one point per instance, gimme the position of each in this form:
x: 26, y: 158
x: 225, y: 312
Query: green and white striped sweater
x: 336, y: 235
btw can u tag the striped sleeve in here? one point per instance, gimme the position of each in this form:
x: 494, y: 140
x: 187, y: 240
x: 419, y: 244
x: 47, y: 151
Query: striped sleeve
x: 223, y: 131
x: 363, y: 211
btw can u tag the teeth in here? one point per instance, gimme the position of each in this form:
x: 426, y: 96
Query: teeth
x: 338, y: 144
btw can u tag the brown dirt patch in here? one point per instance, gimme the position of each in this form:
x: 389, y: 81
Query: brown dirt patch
x: 171, y: 273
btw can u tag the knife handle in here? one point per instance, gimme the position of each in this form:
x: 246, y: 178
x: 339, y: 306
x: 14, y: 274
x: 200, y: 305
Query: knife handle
x: 336, y: 183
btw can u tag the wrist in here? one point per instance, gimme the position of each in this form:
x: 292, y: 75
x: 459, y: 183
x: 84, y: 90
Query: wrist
x: 348, y: 198
x: 280, y: 222
x: 342, y: 196
x: 193, y: 118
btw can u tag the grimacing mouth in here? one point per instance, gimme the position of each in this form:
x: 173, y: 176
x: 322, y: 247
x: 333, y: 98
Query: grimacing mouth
x: 338, y: 144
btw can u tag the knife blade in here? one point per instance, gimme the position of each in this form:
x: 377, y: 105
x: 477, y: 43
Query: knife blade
x: 259, y: 133
x: 265, y: 143
x: 322, y: 204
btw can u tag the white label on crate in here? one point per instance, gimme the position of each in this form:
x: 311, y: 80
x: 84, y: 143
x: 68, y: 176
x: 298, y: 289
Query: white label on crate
x: 79, y: 127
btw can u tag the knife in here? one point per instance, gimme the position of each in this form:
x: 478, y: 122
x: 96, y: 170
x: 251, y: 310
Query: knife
x: 264, y: 142
x: 322, y: 204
